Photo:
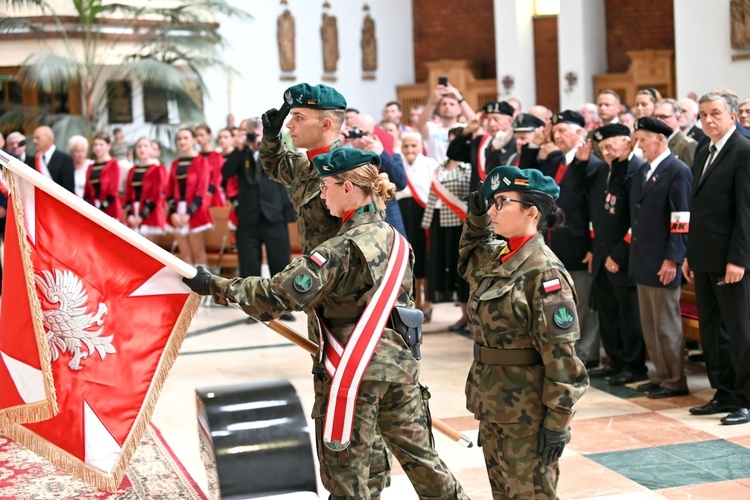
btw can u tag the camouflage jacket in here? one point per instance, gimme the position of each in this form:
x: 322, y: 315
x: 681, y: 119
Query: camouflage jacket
x: 337, y: 280
x: 315, y: 224
x: 510, y: 309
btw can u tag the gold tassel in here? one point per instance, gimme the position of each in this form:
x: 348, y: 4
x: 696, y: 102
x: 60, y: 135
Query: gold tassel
x: 41, y: 410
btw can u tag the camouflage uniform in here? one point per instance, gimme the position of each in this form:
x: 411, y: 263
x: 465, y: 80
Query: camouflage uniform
x: 316, y: 225
x: 509, y: 309
x: 390, y: 399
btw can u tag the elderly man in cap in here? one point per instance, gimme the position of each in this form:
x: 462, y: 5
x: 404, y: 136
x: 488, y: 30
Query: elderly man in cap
x: 614, y: 291
x: 573, y: 168
x: 496, y: 145
x: 525, y: 127
x: 660, y: 213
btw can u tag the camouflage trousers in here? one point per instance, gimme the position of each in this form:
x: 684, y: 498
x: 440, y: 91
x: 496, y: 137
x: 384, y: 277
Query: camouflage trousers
x: 514, y: 464
x: 397, y: 413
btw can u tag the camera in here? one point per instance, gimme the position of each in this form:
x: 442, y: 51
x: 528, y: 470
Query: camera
x: 443, y: 80
x: 356, y: 133
x: 251, y: 137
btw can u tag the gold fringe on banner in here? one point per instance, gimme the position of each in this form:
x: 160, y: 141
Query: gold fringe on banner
x: 41, y: 410
x: 110, y: 481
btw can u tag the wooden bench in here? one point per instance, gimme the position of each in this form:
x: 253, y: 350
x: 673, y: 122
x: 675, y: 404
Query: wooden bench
x: 689, y: 310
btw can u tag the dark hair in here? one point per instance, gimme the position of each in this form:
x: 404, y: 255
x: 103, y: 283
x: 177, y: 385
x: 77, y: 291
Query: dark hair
x: 394, y: 103
x: 204, y: 127
x: 104, y: 136
x: 352, y: 110
x: 550, y: 215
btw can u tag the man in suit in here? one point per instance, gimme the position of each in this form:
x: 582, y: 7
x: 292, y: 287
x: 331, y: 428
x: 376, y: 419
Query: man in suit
x: 660, y: 214
x: 53, y: 164
x: 718, y: 254
x: 261, y: 213
x: 688, y: 120
x: 613, y: 290
x: 670, y: 112
x: 572, y: 243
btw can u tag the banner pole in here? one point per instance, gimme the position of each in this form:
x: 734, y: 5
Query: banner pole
x: 28, y: 174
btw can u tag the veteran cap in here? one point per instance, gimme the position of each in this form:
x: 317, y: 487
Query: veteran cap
x: 653, y: 125
x: 499, y: 107
x: 343, y: 159
x: 568, y: 116
x: 507, y: 178
x: 320, y: 96
x: 611, y: 130
x: 526, y: 122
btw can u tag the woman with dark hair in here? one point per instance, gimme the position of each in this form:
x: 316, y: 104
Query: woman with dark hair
x: 188, y: 199
x: 102, y: 187
x: 215, y: 161
x: 526, y: 376
x: 145, y: 202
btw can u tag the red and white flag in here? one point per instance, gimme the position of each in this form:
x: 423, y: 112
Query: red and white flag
x: 113, y: 315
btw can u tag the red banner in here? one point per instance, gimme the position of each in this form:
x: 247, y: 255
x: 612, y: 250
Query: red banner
x: 113, y: 320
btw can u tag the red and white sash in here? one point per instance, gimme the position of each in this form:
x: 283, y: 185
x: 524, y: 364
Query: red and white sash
x: 346, y: 365
x: 452, y: 201
x: 414, y: 193
x: 484, y: 142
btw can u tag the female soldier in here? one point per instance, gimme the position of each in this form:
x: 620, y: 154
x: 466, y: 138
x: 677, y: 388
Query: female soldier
x: 366, y: 267
x: 526, y: 376
x: 103, y: 179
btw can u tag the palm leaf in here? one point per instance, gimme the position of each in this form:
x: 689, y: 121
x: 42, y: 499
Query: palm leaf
x: 17, y: 24
x: 154, y: 72
x: 48, y: 71
x: 7, y: 5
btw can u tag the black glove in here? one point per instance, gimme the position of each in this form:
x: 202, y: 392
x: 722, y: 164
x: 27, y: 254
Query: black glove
x: 551, y: 444
x: 273, y: 120
x: 477, y: 202
x: 199, y: 282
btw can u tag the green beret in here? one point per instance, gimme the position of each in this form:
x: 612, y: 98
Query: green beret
x: 343, y: 159
x: 321, y: 96
x: 507, y: 178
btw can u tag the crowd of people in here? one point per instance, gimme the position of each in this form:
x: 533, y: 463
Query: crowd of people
x: 560, y: 235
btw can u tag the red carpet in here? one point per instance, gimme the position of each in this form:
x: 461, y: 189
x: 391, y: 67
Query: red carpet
x: 153, y: 473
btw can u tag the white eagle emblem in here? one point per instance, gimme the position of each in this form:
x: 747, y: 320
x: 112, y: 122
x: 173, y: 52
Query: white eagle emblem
x: 495, y: 182
x: 69, y: 328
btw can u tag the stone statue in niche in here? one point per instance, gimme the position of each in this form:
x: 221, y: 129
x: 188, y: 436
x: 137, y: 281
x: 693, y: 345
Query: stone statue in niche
x: 329, y: 34
x: 740, y: 24
x: 369, y: 48
x: 285, y: 35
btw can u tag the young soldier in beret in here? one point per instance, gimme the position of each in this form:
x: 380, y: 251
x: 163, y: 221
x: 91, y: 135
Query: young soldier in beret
x: 317, y: 115
x: 526, y: 376
x: 344, y: 282
x: 613, y: 290
x: 660, y: 214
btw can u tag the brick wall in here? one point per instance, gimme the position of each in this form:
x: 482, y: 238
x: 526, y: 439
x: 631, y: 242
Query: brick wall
x: 546, y: 62
x: 637, y: 25
x: 471, y: 28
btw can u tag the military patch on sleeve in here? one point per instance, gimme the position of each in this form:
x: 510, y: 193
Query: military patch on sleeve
x: 563, y: 317
x: 551, y: 286
x: 302, y: 282
x: 318, y: 258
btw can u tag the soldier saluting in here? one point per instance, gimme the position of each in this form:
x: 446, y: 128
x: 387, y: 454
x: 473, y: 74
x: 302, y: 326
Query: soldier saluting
x: 526, y: 376
x: 345, y: 282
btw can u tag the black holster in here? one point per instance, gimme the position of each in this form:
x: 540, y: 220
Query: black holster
x: 408, y: 323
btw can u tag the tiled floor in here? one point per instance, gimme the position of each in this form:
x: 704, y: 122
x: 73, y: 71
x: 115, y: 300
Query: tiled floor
x: 624, y: 446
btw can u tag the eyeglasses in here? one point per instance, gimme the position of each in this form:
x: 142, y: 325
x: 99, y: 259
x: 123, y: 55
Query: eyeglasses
x: 663, y: 117
x: 499, y: 202
x: 324, y: 186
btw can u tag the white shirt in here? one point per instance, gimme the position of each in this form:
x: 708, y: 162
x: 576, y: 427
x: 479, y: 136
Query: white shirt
x: 45, y: 157
x: 437, y: 141
x: 79, y: 179
x: 420, y: 176
x: 719, y: 146
x: 656, y: 163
